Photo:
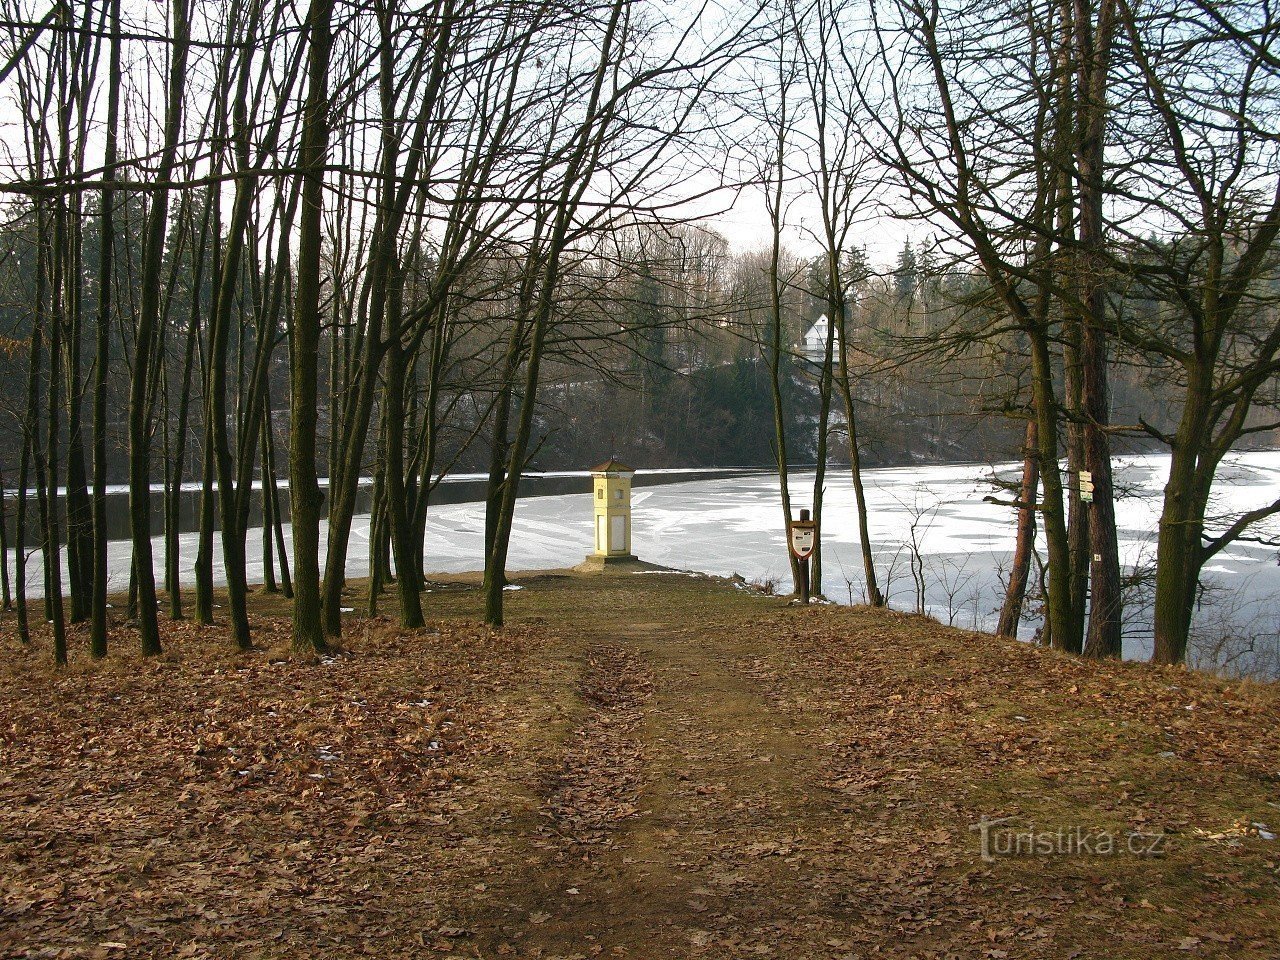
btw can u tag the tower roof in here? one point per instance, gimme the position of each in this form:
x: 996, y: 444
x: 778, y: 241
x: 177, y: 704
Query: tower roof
x: 612, y: 465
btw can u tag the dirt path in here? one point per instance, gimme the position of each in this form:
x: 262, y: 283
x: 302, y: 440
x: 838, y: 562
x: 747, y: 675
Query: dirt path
x: 674, y: 816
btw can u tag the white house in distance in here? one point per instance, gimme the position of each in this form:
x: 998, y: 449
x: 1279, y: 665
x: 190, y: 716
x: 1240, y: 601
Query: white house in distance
x: 814, y: 345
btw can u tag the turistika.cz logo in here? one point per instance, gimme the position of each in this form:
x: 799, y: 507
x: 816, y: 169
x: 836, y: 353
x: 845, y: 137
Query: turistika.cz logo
x: 1005, y: 837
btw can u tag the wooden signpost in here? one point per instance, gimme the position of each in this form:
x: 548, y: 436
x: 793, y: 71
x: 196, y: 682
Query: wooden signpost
x: 803, y: 535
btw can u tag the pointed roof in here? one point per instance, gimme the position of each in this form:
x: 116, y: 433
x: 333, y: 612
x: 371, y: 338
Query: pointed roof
x: 612, y: 465
x: 819, y: 329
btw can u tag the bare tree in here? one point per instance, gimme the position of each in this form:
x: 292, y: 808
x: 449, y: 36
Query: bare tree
x: 1202, y: 266
x: 842, y: 176
x: 304, y: 331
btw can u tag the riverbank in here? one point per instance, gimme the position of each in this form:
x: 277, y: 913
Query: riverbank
x: 654, y: 765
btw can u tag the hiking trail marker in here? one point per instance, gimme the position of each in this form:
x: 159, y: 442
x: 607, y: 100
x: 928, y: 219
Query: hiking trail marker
x: 803, y: 537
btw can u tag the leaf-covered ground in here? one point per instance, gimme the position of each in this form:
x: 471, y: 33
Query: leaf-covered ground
x: 640, y: 766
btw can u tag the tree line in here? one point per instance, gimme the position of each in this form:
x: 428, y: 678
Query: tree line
x: 388, y: 238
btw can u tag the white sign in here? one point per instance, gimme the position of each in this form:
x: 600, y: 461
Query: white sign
x: 804, y: 537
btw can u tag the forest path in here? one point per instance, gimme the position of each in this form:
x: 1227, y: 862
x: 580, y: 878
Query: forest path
x: 673, y: 815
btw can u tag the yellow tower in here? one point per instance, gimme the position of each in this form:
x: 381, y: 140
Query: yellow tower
x: 613, y: 511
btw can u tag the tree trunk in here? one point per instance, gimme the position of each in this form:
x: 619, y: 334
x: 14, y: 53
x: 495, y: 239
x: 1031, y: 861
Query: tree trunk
x: 430, y: 434
x: 205, y: 532
x: 874, y: 597
x: 268, y: 523
x: 52, y: 539
x: 498, y: 449
x: 377, y: 575
x: 496, y: 567
x: 42, y: 509
x: 273, y: 495
x: 1063, y: 628
x: 20, y: 510
x: 825, y: 379
x: 6, y: 596
x: 102, y: 346
x: 774, y: 353
x: 1178, y: 542
x: 1020, y: 571
x: 173, y: 504
x: 175, y: 472
x: 228, y: 282
x: 401, y: 530
x: 1093, y: 59
x: 148, y: 319
x: 1077, y: 514
x: 304, y: 339
x: 79, y: 506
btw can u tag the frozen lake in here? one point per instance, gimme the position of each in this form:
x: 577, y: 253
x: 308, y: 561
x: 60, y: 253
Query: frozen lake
x: 733, y: 525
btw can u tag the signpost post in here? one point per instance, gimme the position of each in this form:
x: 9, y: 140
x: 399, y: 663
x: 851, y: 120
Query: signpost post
x: 803, y: 536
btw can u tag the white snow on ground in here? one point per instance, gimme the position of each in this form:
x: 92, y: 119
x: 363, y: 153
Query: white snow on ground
x: 734, y: 525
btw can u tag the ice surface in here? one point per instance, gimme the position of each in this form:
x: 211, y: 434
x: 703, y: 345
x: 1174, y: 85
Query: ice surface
x: 734, y: 526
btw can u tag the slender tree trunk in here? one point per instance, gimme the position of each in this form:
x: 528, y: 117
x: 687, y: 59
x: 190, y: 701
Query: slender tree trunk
x: 148, y: 319
x: 507, y: 456
x: 205, y: 532
x: 774, y: 350
x: 1020, y: 571
x: 337, y: 337
x: 401, y: 530
x: 79, y: 507
x: 228, y: 283
x: 6, y: 596
x: 382, y: 542
x: 343, y: 493
x: 361, y: 389
x: 430, y: 427
x: 1077, y: 514
x: 874, y: 596
x: 131, y: 607
x: 52, y: 538
x: 1063, y: 628
x: 66, y: 326
x: 44, y: 332
x: 304, y: 340
x: 166, y: 464
x: 397, y: 494
x: 826, y: 377
x: 1093, y: 59
x: 377, y: 575
x: 24, y: 481
x: 173, y: 503
x: 208, y: 468
x: 273, y: 495
x: 102, y: 345
x: 42, y: 509
x: 497, y: 566
x: 268, y: 524
x: 498, y: 449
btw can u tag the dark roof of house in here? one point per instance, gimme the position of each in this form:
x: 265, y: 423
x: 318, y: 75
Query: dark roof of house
x: 612, y: 465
